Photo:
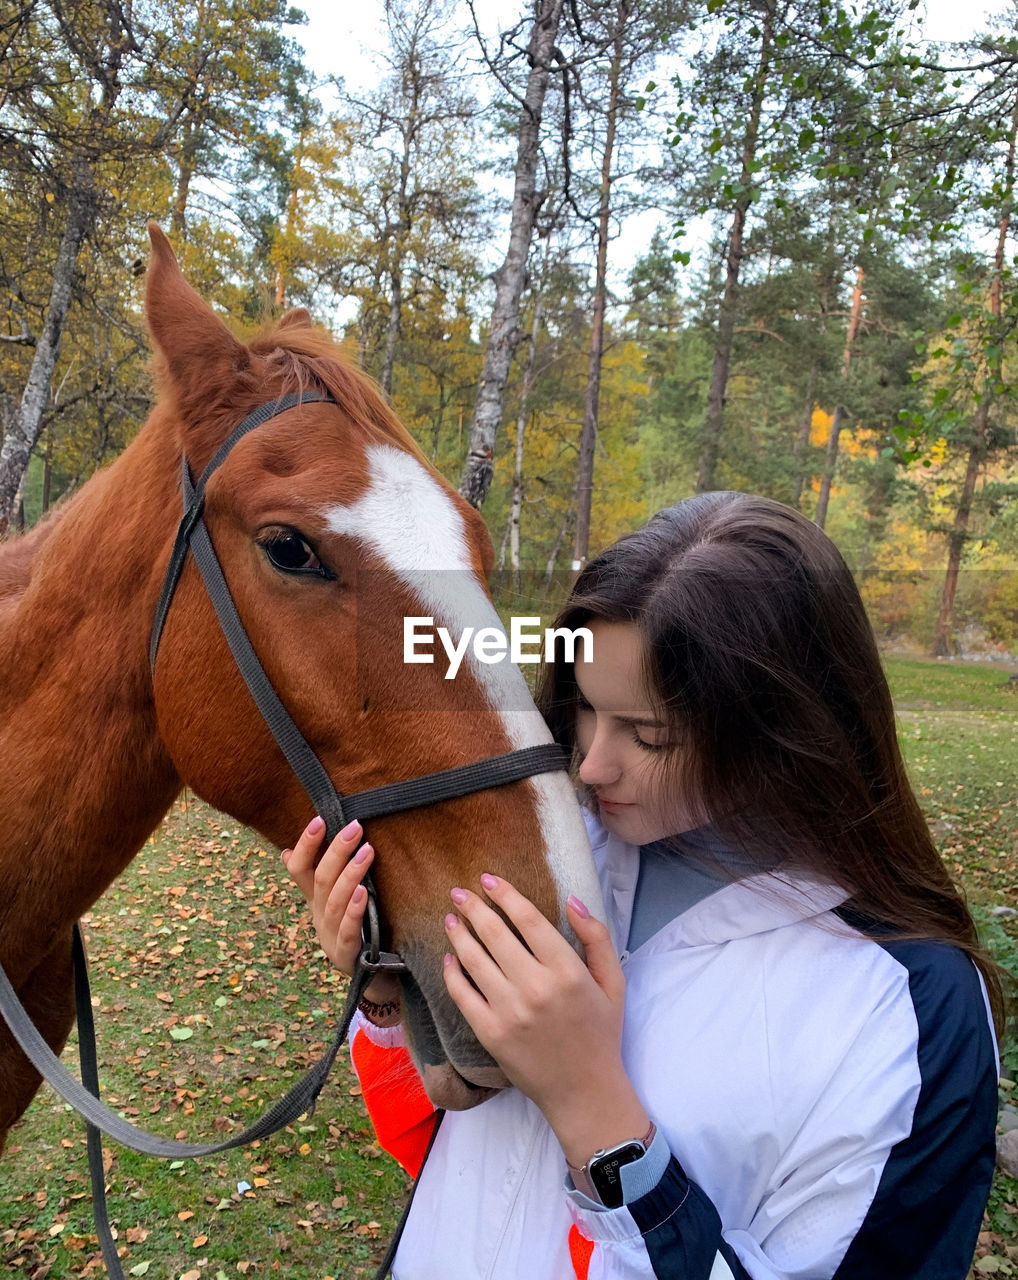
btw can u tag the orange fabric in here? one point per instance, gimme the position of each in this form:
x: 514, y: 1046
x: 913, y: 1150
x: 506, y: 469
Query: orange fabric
x: 580, y: 1249
x: 400, y: 1110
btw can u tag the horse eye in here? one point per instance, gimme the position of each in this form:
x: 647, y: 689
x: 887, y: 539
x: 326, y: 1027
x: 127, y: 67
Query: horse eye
x: 289, y: 552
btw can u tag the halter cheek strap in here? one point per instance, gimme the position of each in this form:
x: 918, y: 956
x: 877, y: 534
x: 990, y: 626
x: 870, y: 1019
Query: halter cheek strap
x: 335, y: 809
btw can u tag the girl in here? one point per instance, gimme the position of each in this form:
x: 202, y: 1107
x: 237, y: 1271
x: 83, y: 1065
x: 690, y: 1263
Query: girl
x: 780, y: 1062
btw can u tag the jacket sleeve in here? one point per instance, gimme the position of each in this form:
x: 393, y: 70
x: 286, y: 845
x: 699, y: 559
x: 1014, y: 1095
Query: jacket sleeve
x: 887, y: 1174
x: 400, y: 1111
x: 671, y: 1233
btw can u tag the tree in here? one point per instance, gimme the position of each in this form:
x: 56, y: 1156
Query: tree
x: 503, y: 332
x: 757, y: 100
x: 627, y: 34
x: 93, y: 100
x: 411, y: 206
x: 997, y: 325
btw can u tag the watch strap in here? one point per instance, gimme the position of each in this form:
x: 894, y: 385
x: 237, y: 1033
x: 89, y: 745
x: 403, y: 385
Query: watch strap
x: 581, y: 1177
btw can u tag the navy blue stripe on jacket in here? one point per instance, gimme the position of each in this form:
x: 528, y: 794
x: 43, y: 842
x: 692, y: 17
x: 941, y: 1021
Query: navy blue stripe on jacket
x: 924, y: 1219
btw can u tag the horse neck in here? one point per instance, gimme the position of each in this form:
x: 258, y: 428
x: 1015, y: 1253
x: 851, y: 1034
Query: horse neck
x: 83, y: 774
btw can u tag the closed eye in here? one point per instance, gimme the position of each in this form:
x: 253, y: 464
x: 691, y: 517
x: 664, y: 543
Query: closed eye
x: 288, y: 552
x: 632, y: 726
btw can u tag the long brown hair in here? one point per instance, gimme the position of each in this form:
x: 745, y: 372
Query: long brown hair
x: 760, y: 657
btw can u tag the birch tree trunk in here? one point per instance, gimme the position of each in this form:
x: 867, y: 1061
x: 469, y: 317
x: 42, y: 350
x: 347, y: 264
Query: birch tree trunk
x: 503, y: 335
x: 592, y: 394
x: 834, y: 436
x: 706, y: 477
x: 23, y: 430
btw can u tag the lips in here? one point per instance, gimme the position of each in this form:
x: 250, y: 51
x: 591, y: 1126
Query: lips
x: 612, y: 806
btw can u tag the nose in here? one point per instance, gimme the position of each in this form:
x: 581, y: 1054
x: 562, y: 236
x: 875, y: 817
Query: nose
x: 600, y: 766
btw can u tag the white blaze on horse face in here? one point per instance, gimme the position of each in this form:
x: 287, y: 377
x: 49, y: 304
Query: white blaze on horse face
x: 413, y: 525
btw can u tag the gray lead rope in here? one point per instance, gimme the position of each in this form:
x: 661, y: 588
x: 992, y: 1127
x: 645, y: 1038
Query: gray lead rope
x: 305, y: 1091
x: 84, y: 1095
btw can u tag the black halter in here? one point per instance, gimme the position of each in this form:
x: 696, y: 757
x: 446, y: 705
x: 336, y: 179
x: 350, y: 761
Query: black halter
x: 336, y: 810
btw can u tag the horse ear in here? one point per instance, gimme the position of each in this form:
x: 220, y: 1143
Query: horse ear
x: 196, y: 355
x: 298, y: 318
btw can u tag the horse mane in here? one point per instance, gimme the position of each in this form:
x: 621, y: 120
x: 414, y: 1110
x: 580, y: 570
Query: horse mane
x: 308, y: 359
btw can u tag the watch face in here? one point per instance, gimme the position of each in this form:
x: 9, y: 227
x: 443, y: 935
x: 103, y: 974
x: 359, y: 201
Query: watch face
x: 604, y: 1172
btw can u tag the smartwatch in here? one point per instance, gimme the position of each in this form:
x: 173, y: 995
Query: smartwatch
x: 600, y: 1177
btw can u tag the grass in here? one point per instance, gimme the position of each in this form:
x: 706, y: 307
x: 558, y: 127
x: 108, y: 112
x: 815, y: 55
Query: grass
x: 210, y: 998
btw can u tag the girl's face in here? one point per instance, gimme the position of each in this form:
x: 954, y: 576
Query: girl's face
x: 622, y: 740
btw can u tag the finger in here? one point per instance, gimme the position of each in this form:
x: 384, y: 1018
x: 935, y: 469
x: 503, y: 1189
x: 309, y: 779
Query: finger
x: 497, y: 937
x: 350, y: 925
x: 334, y: 859
x: 537, y: 931
x: 475, y: 959
x: 598, y: 946
x: 300, y: 860
x: 466, y: 997
x: 337, y: 902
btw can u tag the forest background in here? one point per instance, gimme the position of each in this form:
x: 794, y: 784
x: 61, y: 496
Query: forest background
x: 826, y: 313
x: 844, y: 342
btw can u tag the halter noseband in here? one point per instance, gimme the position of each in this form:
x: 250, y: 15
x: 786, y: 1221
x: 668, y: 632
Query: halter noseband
x: 336, y: 810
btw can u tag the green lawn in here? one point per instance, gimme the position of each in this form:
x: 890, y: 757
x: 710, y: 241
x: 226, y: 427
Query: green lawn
x: 210, y: 997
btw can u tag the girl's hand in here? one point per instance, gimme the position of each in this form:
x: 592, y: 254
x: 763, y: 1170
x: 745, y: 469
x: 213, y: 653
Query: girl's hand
x: 551, y: 1022
x: 333, y: 888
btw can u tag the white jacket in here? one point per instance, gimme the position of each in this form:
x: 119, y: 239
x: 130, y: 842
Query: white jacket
x: 829, y: 1102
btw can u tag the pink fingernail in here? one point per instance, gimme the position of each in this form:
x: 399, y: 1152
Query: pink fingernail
x: 363, y: 854
x: 489, y: 882
x: 451, y: 921
x: 316, y: 825
x: 358, y: 895
x: 578, y: 907
x: 350, y: 830
x: 447, y: 960
x: 458, y: 896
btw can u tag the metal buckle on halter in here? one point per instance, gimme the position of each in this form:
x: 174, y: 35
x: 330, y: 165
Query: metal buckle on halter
x: 372, y: 958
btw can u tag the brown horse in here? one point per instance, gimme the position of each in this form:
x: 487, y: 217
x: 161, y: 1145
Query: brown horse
x: 331, y: 528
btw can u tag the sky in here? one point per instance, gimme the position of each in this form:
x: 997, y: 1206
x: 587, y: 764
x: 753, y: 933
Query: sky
x: 340, y: 38
x: 343, y: 39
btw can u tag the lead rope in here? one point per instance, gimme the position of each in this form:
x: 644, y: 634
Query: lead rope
x: 88, y: 1058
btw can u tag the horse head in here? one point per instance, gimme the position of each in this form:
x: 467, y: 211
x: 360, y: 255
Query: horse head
x: 332, y: 528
